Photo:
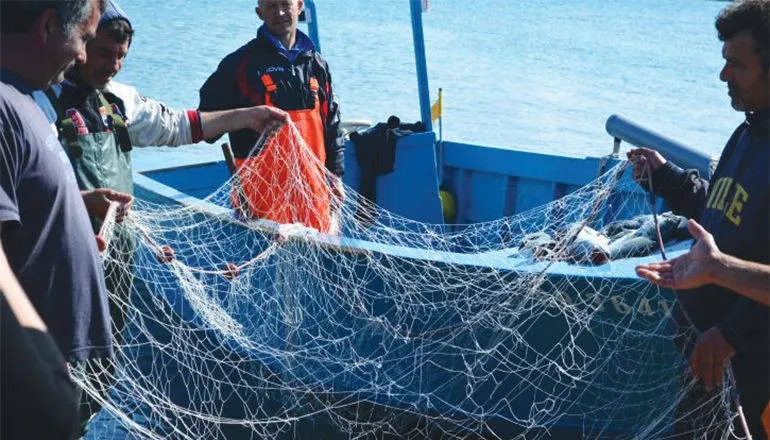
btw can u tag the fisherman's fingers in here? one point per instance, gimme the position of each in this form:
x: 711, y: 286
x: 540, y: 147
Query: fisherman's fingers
x: 101, y: 243
x: 124, y: 202
x: 657, y: 273
x: 702, y: 364
x: 648, y: 274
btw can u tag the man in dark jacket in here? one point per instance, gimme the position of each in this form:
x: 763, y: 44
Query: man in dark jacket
x: 735, y: 208
x: 281, y: 68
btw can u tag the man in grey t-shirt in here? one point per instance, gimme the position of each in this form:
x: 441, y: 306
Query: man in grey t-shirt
x: 46, y: 232
x: 44, y: 226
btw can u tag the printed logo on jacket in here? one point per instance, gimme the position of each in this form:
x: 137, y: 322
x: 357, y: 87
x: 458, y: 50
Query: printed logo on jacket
x: 729, y: 197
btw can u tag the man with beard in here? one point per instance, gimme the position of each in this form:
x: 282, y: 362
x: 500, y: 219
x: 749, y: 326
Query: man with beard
x: 734, y: 207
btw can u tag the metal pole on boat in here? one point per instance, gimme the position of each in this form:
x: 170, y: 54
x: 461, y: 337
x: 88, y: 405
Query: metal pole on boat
x: 621, y: 128
x: 420, y: 63
x: 441, y: 116
x: 312, y: 23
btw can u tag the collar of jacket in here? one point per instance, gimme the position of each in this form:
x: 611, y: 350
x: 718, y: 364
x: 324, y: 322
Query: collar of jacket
x: 17, y: 81
x: 73, y: 80
x: 303, y: 43
x: 759, y: 122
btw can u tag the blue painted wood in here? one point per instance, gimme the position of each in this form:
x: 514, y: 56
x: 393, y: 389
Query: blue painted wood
x: 478, y: 175
x: 411, y: 190
x: 463, y: 196
x: 533, y: 193
x: 486, y: 197
x: 199, y: 180
x: 563, y: 169
x: 511, y: 194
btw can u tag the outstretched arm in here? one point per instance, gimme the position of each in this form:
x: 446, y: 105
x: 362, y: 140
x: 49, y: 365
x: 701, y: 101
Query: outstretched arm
x: 257, y: 119
x: 706, y: 264
x: 153, y: 123
x: 747, y: 278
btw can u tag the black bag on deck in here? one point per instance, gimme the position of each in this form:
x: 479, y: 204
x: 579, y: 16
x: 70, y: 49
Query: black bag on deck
x: 376, y: 155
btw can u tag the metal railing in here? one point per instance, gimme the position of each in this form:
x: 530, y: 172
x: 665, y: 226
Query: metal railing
x: 311, y: 17
x: 686, y: 157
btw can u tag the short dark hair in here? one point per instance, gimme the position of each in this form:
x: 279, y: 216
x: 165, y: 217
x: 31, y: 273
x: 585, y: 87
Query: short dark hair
x: 119, y: 30
x: 748, y: 15
x: 18, y: 16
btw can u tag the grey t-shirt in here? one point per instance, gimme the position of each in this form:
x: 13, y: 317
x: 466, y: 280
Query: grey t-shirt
x: 46, y: 232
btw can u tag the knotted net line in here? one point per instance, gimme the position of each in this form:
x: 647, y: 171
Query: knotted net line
x: 236, y: 327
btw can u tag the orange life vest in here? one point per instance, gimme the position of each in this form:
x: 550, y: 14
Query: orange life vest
x: 288, y: 186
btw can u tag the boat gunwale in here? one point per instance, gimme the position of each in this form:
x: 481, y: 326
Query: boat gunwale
x: 492, y: 260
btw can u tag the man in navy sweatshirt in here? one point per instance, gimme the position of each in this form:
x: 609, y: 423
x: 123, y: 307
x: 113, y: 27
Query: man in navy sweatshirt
x: 733, y: 207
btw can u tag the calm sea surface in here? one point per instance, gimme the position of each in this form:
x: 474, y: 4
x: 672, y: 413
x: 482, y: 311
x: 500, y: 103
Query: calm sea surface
x: 539, y: 75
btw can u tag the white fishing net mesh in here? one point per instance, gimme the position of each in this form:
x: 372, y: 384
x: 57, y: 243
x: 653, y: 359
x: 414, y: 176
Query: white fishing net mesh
x: 387, y: 327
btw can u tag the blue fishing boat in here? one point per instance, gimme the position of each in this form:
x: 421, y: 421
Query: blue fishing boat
x: 431, y: 319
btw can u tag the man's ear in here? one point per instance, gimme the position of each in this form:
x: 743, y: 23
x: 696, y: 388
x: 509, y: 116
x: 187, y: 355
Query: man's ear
x: 259, y: 13
x: 46, y: 26
x: 300, y: 5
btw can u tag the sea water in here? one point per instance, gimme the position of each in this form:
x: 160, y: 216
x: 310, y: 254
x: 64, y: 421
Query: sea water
x: 539, y: 76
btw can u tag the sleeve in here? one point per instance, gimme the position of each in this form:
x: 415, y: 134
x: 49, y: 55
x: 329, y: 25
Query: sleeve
x: 152, y: 123
x: 746, y: 321
x: 9, y: 172
x: 334, y: 137
x: 35, y: 383
x: 9, y: 211
x: 683, y: 190
x: 218, y: 91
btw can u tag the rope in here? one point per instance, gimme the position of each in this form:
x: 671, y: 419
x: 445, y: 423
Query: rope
x: 730, y: 376
x: 658, y: 235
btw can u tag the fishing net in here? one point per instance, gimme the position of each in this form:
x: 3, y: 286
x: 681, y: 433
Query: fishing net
x: 232, y: 326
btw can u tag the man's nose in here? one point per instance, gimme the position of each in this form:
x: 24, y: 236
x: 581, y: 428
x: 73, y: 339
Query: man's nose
x: 726, y: 73
x: 81, y: 57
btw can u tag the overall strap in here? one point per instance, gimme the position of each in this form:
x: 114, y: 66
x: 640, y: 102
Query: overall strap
x: 314, y: 87
x: 68, y: 131
x: 118, y: 123
x: 270, y: 88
